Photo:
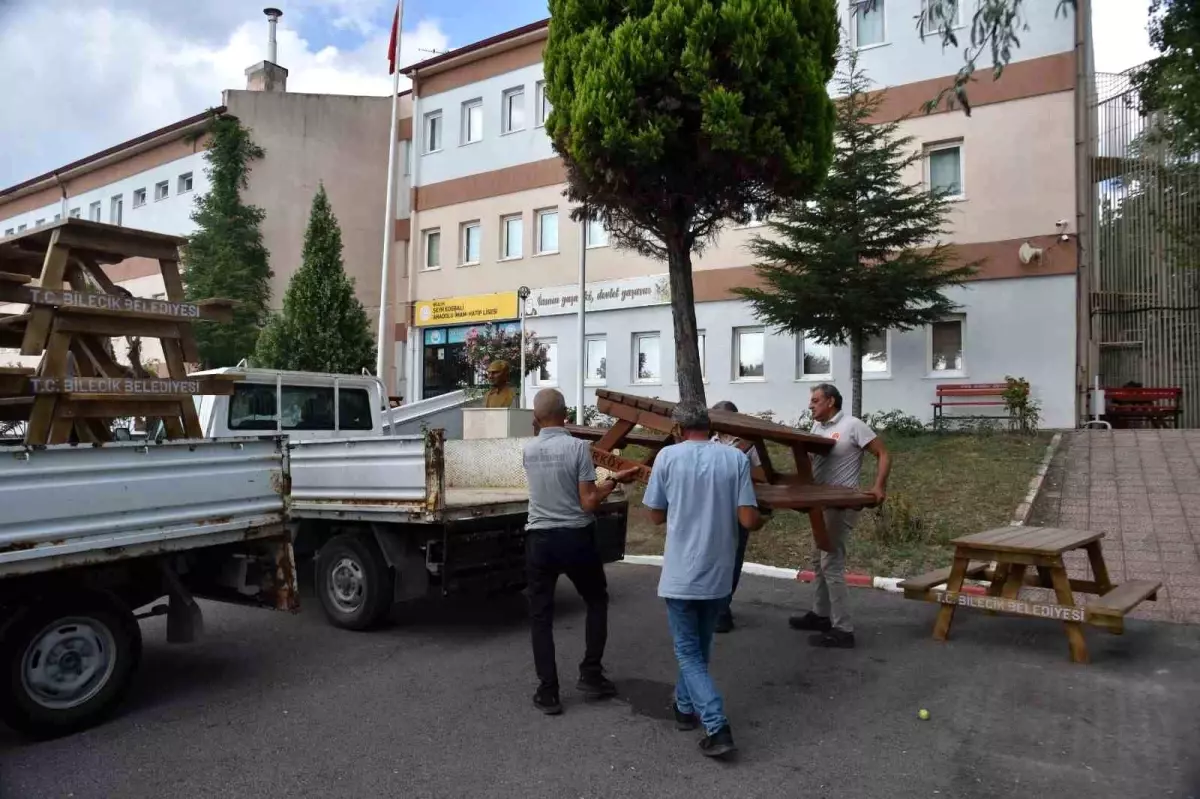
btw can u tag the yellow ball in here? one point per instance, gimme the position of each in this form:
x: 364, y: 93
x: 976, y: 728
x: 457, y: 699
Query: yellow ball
x: 923, y: 714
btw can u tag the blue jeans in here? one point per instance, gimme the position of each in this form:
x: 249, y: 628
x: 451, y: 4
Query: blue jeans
x: 692, y: 624
x: 743, y: 540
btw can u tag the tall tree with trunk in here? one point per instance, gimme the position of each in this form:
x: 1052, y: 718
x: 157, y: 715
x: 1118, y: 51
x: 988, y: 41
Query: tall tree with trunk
x: 863, y: 254
x: 323, y: 326
x: 676, y: 116
x: 225, y: 257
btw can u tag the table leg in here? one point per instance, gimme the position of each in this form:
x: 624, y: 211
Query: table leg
x: 999, y: 576
x: 1062, y: 590
x: 1015, y: 581
x: 1099, y: 568
x: 958, y: 573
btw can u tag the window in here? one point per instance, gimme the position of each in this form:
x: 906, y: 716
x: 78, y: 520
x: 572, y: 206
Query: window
x: 21, y: 228
x: 597, y: 234
x: 139, y: 198
x: 433, y: 248
x: 472, y: 121
x: 8, y: 232
x: 433, y: 131
x: 74, y: 213
x: 597, y: 361
x: 514, y: 110
x: 755, y: 219
x: 869, y: 28
x: 944, y: 169
x: 814, y: 360
x: 39, y: 223
x: 547, y: 231
x: 253, y: 407
x: 354, y: 409
x: 932, y: 25
x: 115, y: 208
x: 512, y: 229
x: 185, y: 183
x: 946, y: 347
x: 543, y: 103
x: 58, y: 217
x: 700, y: 347
x: 471, y: 238
x: 547, y: 375
x: 94, y: 211
x: 875, y: 355
x: 749, y: 344
x: 647, y: 366
x: 162, y: 190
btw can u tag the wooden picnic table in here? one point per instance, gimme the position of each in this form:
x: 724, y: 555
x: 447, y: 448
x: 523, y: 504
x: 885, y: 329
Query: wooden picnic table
x: 775, y: 490
x: 1016, y: 550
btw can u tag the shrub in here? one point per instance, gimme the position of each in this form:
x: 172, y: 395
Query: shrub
x: 896, y: 422
x: 898, y: 522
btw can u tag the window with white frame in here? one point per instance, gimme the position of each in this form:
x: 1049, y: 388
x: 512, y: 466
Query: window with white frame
x: 512, y: 234
x: 543, y: 103
x: 8, y: 232
x: 116, y: 207
x: 749, y: 353
x: 944, y: 169
x: 58, y: 217
x: 597, y: 233
x: 472, y: 237
x: 74, y: 213
x: 94, y: 211
x: 547, y: 231
x: 868, y: 22
x: 185, y: 183
x: 38, y: 222
x: 514, y: 109
x: 433, y: 131
x: 139, y: 198
x: 946, y: 346
x: 814, y: 360
x: 875, y: 354
x: 547, y: 374
x: 597, y: 361
x: 162, y: 190
x: 433, y: 248
x: 472, y: 121
x: 948, y: 14
x: 647, y: 363
x: 21, y: 228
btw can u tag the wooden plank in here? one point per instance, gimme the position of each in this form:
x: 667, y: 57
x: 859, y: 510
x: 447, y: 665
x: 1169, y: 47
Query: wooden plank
x: 1062, y: 590
x: 117, y: 327
x: 173, y: 284
x: 53, y: 270
x: 594, y: 434
x: 173, y: 353
x: 1016, y: 607
x: 117, y: 304
x: 945, y: 617
x: 764, y: 458
x: 9, y: 278
x: 1099, y: 568
x: 1030, y: 540
x: 615, y: 463
x: 16, y: 321
x: 924, y: 582
x: 804, y: 497
x: 1014, y: 582
x: 117, y: 242
x: 1028, y: 558
x: 103, y: 407
x: 615, y: 435
x: 128, y: 386
x: 1124, y: 598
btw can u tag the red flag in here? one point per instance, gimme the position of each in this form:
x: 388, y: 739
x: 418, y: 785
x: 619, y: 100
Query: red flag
x: 392, y: 54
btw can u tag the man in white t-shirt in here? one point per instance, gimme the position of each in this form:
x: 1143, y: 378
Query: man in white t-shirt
x: 830, y: 616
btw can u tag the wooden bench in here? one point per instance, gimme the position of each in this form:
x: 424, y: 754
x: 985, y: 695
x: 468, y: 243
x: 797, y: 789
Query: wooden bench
x: 978, y: 395
x: 917, y: 587
x: 1111, y: 609
x: 1158, y: 406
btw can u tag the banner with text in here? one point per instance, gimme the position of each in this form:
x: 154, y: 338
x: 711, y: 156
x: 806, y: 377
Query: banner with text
x: 465, y: 310
x: 605, y: 295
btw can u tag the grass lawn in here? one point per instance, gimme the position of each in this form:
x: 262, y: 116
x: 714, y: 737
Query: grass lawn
x: 942, y: 485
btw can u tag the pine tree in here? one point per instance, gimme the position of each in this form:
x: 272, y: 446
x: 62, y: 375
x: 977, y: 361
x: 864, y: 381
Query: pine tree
x: 862, y: 254
x: 225, y: 257
x: 323, y: 326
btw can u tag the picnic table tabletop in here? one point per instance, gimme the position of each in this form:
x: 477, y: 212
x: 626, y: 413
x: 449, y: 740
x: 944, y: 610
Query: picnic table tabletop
x: 1033, y: 540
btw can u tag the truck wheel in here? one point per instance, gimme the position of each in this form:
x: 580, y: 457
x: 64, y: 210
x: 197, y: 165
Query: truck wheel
x: 67, y: 663
x: 354, y: 582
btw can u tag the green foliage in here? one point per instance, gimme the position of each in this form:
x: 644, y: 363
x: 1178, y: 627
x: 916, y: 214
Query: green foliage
x: 323, y: 327
x: 863, y: 255
x: 492, y: 343
x: 1170, y: 83
x: 225, y: 257
x: 1024, y: 411
x: 898, y: 523
x: 675, y: 116
x: 896, y: 423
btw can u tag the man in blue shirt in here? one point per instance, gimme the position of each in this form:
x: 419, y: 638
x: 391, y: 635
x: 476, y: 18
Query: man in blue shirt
x: 702, y: 491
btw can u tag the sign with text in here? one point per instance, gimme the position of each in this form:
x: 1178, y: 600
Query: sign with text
x: 1015, y: 606
x: 459, y: 310
x: 113, y: 303
x: 113, y: 385
x: 605, y: 295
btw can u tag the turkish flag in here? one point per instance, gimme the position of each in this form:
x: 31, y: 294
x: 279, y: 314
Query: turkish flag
x: 392, y: 54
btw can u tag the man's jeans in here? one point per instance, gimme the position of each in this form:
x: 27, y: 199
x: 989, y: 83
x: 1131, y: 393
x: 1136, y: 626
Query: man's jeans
x: 569, y: 551
x: 692, y: 624
x: 743, y: 540
x: 832, y: 596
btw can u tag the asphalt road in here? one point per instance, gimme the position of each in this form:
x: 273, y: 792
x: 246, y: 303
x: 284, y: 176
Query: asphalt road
x: 438, y: 705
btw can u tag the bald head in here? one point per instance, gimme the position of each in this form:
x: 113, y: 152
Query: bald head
x: 550, y: 408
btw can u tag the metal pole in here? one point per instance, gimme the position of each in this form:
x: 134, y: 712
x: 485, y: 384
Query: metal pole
x: 583, y: 225
x: 389, y: 217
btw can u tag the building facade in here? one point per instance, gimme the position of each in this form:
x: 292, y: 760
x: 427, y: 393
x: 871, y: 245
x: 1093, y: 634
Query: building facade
x: 488, y: 216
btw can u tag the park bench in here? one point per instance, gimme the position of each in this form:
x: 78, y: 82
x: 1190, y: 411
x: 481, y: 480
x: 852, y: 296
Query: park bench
x: 1157, y: 406
x: 961, y: 395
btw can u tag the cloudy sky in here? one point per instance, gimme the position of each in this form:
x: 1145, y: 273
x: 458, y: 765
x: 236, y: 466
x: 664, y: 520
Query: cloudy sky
x: 82, y: 75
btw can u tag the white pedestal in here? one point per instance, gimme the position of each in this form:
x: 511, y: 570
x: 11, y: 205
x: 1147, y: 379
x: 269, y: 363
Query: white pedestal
x: 497, y: 423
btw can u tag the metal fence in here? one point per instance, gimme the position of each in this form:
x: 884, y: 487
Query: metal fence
x: 1145, y: 231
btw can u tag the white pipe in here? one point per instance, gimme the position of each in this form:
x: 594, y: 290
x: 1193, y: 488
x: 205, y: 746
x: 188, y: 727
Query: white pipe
x: 582, y: 365
x: 382, y: 360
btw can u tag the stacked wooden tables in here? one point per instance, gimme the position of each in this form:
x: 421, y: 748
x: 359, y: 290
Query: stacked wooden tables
x: 775, y: 489
x: 73, y: 310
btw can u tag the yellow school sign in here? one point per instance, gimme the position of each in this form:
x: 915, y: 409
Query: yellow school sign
x: 466, y: 310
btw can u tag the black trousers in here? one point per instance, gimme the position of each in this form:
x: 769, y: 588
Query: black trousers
x: 573, y: 552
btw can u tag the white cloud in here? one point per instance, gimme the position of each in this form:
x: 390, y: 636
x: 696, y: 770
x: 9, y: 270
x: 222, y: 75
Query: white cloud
x: 80, y: 81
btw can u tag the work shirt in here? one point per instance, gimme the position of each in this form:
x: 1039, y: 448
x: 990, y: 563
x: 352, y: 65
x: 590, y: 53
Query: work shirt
x: 701, y: 485
x: 555, y: 464
x: 842, y: 466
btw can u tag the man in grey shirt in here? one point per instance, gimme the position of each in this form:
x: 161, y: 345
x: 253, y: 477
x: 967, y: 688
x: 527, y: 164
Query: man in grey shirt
x: 561, y: 539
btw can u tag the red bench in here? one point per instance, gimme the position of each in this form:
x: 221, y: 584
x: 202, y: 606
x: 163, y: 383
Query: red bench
x: 968, y: 395
x: 1158, y: 406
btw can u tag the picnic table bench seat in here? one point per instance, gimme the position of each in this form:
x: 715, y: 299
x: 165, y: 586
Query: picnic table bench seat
x: 930, y: 580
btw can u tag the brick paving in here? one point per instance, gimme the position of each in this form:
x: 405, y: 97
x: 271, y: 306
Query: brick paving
x: 1142, y: 488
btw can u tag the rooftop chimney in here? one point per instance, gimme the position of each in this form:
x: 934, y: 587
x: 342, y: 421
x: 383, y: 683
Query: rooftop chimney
x: 268, y: 76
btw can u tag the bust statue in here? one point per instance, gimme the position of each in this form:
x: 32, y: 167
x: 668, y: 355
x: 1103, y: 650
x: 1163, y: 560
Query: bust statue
x: 500, y: 395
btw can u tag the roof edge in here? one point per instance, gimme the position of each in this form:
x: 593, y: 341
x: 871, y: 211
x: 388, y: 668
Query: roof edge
x: 482, y: 44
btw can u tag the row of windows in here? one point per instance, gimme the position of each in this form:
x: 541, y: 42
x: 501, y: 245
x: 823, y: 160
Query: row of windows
x: 510, y: 243
x: 814, y: 360
x: 472, y: 126
x: 116, y: 205
x: 869, y: 21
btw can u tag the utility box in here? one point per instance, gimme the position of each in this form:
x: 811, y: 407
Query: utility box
x: 496, y: 423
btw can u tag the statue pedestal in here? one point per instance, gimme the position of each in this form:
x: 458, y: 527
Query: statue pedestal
x: 497, y: 423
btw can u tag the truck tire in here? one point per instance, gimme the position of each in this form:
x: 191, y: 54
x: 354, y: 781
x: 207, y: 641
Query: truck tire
x: 354, y: 582
x: 67, y: 662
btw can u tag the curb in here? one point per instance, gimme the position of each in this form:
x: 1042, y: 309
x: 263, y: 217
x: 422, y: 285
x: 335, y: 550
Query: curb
x: 1021, y: 515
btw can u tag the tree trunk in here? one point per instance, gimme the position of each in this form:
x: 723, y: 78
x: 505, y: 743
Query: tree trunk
x: 683, y: 310
x: 856, y: 381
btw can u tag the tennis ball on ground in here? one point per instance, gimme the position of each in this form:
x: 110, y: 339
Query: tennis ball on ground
x: 923, y: 714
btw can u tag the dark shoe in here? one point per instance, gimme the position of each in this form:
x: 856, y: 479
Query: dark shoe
x: 724, y: 622
x: 810, y: 621
x: 684, y: 722
x: 595, y: 687
x: 719, y: 744
x: 834, y: 639
x: 547, y: 702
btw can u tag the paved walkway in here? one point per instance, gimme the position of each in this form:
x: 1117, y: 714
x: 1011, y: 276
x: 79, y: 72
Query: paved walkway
x: 1141, y: 487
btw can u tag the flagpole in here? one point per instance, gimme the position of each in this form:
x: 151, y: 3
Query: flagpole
x: 382, y: 360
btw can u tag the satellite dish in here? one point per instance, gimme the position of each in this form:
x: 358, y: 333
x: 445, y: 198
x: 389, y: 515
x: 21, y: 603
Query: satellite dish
x: 1029, y: 253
